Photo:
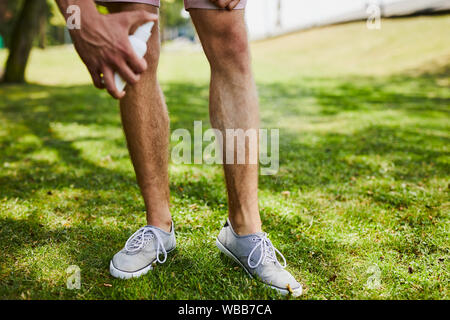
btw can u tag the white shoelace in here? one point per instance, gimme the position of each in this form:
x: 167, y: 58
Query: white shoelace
x: 141, y: 237
x: 268, y: 253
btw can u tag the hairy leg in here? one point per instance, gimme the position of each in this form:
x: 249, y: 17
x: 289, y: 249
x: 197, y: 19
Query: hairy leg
x: 233, y: 105
x: 146, y: 125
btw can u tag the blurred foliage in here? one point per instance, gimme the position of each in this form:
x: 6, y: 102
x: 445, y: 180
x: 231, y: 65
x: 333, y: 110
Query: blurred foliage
x: 8, y: 13
x: 9, y: 10
x: 170, y: 14
x: 56, y: 18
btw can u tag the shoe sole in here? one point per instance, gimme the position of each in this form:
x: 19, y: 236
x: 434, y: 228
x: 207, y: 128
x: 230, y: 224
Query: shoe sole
x: 297, y: 292
x: 117, y: 273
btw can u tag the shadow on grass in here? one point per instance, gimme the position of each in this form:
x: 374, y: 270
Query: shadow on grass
x: 33, y: 109
x: 412, y: 153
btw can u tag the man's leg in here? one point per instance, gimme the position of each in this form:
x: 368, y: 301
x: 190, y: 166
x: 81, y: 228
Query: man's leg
x: 233, y: 105
x: 146, y: 125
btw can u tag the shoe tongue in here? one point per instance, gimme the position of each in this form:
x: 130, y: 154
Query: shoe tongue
x: 256, y: 234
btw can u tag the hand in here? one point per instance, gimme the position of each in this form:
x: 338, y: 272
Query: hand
x: 103, y: 45
x: 226, y: 4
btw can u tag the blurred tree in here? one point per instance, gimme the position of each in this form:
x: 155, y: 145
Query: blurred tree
x: 8, y: 15
x: 42, y: 29
x: 26, y: 27
x: 56, y: 29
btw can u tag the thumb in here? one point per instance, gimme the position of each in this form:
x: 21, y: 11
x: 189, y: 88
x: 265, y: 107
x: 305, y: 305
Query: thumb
x: 136, y: 18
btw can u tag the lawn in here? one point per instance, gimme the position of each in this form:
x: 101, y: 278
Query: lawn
x: 359, y: 207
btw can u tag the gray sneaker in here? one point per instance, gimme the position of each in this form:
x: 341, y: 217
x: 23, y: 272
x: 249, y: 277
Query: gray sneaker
x: 257, y: 255
x: 141, y: 250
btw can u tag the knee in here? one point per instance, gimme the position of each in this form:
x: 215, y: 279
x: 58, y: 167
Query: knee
x: 152, y: 58
x: 228, y: 50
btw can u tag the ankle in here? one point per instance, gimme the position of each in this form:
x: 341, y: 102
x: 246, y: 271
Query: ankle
x: 245, y: 226
x: 162, y: 223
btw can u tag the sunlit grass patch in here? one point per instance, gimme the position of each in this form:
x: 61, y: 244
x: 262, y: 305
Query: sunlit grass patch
x: 361, y: 192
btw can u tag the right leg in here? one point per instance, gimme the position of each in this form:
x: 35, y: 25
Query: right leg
x: 146, y: 125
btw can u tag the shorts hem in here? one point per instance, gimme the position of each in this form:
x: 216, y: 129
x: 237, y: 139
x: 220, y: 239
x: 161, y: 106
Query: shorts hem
x: 154, y: 3
x: 206, y: 4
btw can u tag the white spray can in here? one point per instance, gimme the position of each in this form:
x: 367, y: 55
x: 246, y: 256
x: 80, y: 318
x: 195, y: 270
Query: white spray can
x: 138, y: 41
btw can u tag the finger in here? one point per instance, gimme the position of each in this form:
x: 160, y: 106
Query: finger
x: 134, y: 19
x: 108, y: 78
x: 233, y: 4
x: 125, y: 72
x: 137, y: 18
x: 222, y: 3
x: 96, y: 78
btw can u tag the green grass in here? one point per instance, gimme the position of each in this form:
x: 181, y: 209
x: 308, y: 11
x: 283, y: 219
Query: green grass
x: 364, y: 134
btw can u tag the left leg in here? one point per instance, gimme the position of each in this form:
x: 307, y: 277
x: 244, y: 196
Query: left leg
x: 234, y: 105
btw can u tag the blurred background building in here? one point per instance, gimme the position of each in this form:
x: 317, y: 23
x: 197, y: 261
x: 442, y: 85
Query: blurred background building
x: 266, y: 18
